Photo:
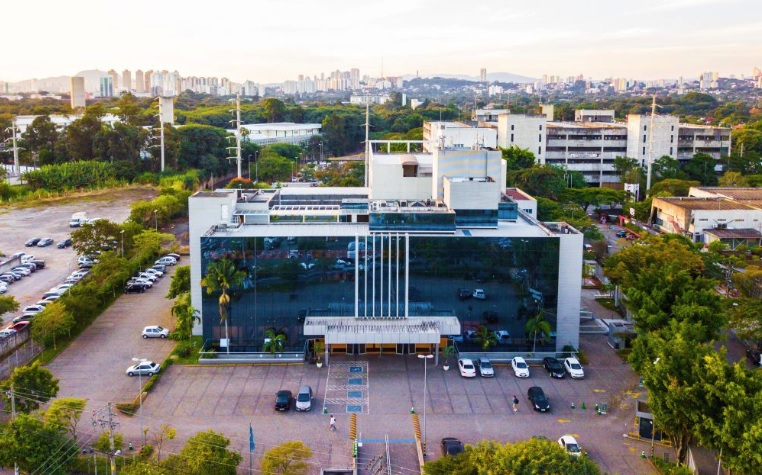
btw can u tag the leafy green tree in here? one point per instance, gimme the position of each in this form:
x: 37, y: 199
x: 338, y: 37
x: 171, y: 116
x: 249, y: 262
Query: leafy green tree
x: 342, y: 174
x: 180, y: 282
x: 733, y: 179
x: 672, y: 187
x: 288, y: 458
x: 222, y: 275
x: 103, y: 443
x: 290, y: 151
x: 205, y: 453
x: 667, y: 168
x: 274, y: 109
x: 486, y: 337
x: 627, y: 169
x: 8, y: 303
x: 538, y: 326
x: 80, y: 136
x: 275, y: 168
x: 275, y: 340
x: 40, y: 138
x: 34, y: 384
x: 203, y: 147
x: 64, y: 414
x: 585, y: 197
x: 334, y: 132
x: 701, y: 168
x: 545, y: 181
x: 748, y: 163
x: 186, y: 317
x: 167, y: 432
x: 517, y: 158
x: 91, y: 238
x: 30, y: 443
x: 749, y: 282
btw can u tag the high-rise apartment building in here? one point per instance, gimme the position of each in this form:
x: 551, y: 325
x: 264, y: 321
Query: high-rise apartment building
x: 127, y: 80
x: 147, y: 78
x: 107, y: 86
x: 140, y: 82
x: 483, y: 75
x: 114, y: 80
x: 77, y: 92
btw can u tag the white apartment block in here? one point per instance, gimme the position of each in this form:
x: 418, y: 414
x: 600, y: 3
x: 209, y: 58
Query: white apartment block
x: 527, y: 131
x: 651, y: 137
x: 457, y: 135
x: 587, y: 147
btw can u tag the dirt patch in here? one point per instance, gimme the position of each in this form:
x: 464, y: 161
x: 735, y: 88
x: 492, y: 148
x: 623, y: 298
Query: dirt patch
x: 129, y: 194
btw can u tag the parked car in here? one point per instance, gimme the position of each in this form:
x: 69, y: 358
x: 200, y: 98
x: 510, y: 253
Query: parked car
x: 466, y: 367
x: 141, y: 280
x: 155, y: 272
x: 134, y: 288
x: 19, y: 326
x: 147, y: 276
x: 166, y: 260
x: 173, y: 255
x: 539, y: 401
x: 86, y: 260
x: 144, y: 367
x: 39, y: 263
x: 283, y: 400
x: 574, y: 369
x: 29, y: 266
x: 160, y: 267
x: 753, y: 353
x: 6, y: 333
x: 485, y: 368
x: 621, y: 234
x: 3, y: 287
x: 21, y: 270
x: 464, y: 294
x: 520, y: 367
x: 45, y: 242
x: 554, y: 367
x: 27, y: 317
x: 304, y: 399
x: 32, y: 242
x: 7, y: 279
x: 51, y: 296
x: 155, y: 331
x: 479, y: 294
x: 452, y: 446
x: 569, y: 443
x: 33, y: 309
x: 503, y: 337
x: 490, y: 316
x: 27, y: 258
x: 64, y: 243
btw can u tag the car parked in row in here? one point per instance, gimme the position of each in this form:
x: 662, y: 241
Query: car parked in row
x: 166, y: 260
x: 283, y: 400
x: 554, y: 367
x: 485, y: 368
x: 134, y: 288
x: 503, y: 337
x: 32, y: 242
x: 467, y: 368
x: 574, y: 369
x: 520, y: 367
x: 45, y: 242
x: 64, y: 243
x: 144, y: 368
x: 304, y: 399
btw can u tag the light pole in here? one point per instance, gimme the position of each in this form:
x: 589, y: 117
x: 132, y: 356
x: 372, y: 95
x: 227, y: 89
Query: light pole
x: 155, y: 221
x: 256, y: 165
x: 122, y: 233
x: 321, y: 152
x: 249, y: 167
x: 425, y: 358
x: 140, y: 397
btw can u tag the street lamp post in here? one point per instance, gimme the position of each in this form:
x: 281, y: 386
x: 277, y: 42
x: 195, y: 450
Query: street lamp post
x: 321, y: 152
x: 249, y: 167
x: 425, y: 358
x: 140, y: 397
x: 155, y: 221
x: 256, y: 165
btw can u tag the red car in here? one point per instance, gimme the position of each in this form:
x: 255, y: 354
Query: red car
x: 18, y: 326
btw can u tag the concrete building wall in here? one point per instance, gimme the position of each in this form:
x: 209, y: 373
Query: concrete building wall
x: 569, y: 289
x: 388, y: 183
x: 714, y: 141
x: 167, y: 110
x: 523, y: 131
x: 639, y: 134
x: 465, y: 163
x: 457, y: 135
x: 77, y: 92
x: 588, y: 149
x: 470, y: 193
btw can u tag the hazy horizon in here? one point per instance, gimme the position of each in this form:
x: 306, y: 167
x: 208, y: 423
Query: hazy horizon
x: 270, y: 41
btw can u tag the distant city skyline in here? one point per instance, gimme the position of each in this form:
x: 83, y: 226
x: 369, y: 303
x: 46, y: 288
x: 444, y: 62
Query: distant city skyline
x: 271, y: 42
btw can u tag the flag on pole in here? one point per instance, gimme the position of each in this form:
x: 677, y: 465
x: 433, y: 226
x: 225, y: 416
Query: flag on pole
x: 251, y: 438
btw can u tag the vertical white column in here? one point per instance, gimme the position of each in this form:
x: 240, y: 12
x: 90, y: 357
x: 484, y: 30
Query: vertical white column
x: 357, y: 281
x: 407, y: 272
x: 380, y: 277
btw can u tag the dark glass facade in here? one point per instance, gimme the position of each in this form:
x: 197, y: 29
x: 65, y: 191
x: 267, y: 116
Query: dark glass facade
x: 290, y: 278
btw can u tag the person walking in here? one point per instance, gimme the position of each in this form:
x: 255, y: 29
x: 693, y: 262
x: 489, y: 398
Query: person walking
x: 515, y: 404
x: 332, y: 425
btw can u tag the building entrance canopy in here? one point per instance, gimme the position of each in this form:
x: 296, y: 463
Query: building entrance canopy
x: 349, y: 330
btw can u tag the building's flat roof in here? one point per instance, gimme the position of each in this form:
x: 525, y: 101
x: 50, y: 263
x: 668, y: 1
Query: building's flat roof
x: 518, y: 195
x: 212, y: 194
x: 397, y: 158
x: 587, y: 125
x: 703, y: 127
x: 744, y: 233
x: 753, y: 194
x: 719, y: 204
x: 281, y: 126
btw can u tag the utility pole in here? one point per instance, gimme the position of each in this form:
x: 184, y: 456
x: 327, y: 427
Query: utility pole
x: 105, y: 421
x: 367, y: 142
x: 13, y: 129
x: 651, y: 144
x: 161, y: 131
x: 13, y: 417
x: 237, y: 123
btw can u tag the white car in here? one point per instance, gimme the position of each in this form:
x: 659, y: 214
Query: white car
x: 479, y: 294
x: 155, y: 272
x: 26, y: 258
x: 143, y: 281
x: 3, y: 287
x: 7, y: 332
x: 569, y: 443
x: 572, y: 366
x: 503, y: 337
x: 21, y: 270
x: 33, y: 309
x: 485, y: 368
x: 166, y: 260
x: 467, y: 368
x: 145, y: 368
x: 155, y: 331
x: 147, y: 276
x: 520, y: 367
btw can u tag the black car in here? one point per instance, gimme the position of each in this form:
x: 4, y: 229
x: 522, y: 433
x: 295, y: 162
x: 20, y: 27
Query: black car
x: 490, y: 316
x: 464, y: 294
x: 63, y: 244
x: 539, y: 401
x: 283, y: 400
x: 45, y: 242
x: 621, y: 234
x: 134, y: 288
x: 39, y: 263
x: 451, y: 446
x: 32, y: 242
x: 554, y: 367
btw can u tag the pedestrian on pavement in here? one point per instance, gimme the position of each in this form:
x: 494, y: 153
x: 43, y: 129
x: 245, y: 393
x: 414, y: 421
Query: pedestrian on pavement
x: 333, y: 423
x: 515, y: 404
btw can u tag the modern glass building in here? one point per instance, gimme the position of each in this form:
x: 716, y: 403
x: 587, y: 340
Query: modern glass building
x: 376, y: 274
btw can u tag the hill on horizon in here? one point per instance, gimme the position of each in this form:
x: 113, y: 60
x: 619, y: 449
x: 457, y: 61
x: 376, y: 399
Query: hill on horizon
x: 491, y: 77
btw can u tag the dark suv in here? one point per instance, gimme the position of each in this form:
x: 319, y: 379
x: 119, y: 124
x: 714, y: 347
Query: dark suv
x: 283, y: 400
x: 464, y: 294
x: 134, y: 288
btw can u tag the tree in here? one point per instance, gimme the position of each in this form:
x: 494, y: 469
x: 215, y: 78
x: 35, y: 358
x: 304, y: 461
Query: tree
x: 274, y: 109
x: 8, y: 303
x: 40, y: 138
x: 749, y: 282
x: 585, y: 197
x: 52, y: 323
x: 335, y: 135
x: 103, y: 443
x: 30, y: 443
x: 666, y: 167
x: 517, y: 158
x: 733, y: 179
x: 221, y: 276
x: 486, y: 337
x: 80, y: 136
x: 186, y: 317
x: 167, y: 432
x: 205, y: 453
x: 180, y: 283
x: 275, y: 168
x: 543, y: 180
x: 275, y: 340
x: 535, y: 325
x: 628, y: 169
x: 288, y: 458
x: 525, y: 457
x: 701, y: 168
x: 672, y: 187
x: 64, y: 414
x: 34, y: 384
x: 91, y: 238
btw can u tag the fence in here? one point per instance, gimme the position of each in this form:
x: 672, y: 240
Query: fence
x: 22, y: 355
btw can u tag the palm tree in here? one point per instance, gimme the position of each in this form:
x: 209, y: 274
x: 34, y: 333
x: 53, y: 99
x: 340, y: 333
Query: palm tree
x: 538, y: 324
x: 486, y: 337
x: 223, y: 275
x: 186, y: 316
x: 275, y: 340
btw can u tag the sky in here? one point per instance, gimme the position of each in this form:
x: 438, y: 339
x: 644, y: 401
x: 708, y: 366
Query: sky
x: 270, y: 41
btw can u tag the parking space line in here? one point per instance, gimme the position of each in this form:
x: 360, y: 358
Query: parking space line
x: 347, y: 387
